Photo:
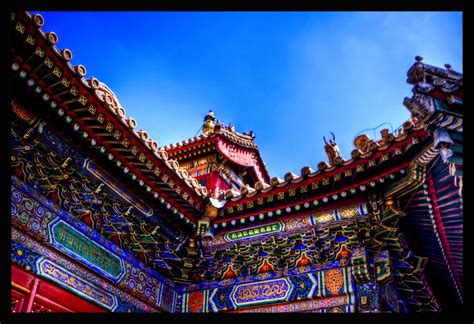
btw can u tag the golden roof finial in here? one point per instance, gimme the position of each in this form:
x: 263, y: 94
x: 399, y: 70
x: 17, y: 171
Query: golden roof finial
x: 208, y: 127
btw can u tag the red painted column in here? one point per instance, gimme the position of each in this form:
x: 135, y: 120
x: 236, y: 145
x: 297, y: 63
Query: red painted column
x: 19, y: 307
x: 32, y: 295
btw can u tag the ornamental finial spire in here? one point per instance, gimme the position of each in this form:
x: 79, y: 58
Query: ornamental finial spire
x: 208, y: 126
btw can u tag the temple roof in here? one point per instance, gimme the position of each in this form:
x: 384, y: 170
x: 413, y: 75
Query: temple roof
x: 397, y: 163
x: 96, y: 112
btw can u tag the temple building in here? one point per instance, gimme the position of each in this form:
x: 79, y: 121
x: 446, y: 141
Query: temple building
x: 105, y: 219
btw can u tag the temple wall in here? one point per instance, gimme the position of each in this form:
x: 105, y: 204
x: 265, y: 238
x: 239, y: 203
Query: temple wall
x: 42, y: 229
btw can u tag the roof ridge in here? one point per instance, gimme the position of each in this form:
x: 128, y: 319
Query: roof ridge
x: 105, y: 95
x: 363, y: 151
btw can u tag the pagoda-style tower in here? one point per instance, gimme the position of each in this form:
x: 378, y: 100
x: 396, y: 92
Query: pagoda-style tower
x: 220, y: 158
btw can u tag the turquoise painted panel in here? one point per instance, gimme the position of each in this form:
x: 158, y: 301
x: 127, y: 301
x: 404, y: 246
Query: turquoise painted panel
x: 74, y: 243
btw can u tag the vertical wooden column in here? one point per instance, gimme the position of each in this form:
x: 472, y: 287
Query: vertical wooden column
x: 19, y: 306
x: 31, y: 298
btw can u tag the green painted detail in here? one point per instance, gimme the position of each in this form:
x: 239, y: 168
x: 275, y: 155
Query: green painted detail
x: 455, y: 159
x: 321, y: 290
x: 442, y: 107
x: 347, y: 280
x: 254, y: 231
x: 78, y: 244
x: 457, y: 149
x: 455, y: 135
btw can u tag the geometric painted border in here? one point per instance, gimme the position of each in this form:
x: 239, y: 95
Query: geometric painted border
x: 307, y: 305
x: 70, y: 282
x: 313, y: 291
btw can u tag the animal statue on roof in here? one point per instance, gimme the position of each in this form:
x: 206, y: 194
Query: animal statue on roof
x: 332, y: 150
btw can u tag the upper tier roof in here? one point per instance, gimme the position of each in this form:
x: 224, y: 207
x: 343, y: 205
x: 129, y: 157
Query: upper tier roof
x: 246, y: 142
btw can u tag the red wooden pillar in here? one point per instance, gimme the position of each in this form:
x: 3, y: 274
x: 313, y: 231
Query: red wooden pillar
x: 19, y: 307
x: 32, y: 295
x: 30, y: 289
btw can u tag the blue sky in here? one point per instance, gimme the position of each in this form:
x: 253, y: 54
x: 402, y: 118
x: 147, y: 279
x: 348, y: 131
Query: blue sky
x: 291, y: 77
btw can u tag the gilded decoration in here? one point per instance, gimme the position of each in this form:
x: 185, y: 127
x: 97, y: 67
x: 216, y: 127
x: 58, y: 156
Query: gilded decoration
x: 39, y: 51
x: 265, y: 292
x: 333, y: 280
x: 20, y: 27
x: 66, y: 279
x: 30, y: 40
x: 106, y: 179
x: 324, y: 217
x: 303, y: 306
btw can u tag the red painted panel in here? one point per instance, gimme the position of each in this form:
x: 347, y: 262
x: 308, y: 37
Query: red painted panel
x: 49, y: 294
x: 241, y: 156
x: 215, y: 182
